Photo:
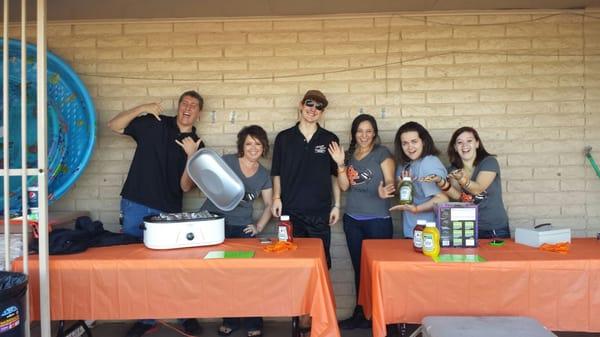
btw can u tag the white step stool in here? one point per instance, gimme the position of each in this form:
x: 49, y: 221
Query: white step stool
x: 483, y: 326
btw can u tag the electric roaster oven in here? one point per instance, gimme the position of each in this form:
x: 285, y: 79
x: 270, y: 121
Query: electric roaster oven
x: 192, y: 229
x: 180, y: 230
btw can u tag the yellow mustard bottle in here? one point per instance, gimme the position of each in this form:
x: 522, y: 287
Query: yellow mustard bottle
x: 431, y: 240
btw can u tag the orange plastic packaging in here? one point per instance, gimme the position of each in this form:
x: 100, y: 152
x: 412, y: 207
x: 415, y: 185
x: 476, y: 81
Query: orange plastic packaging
x: 280, y: 246
x: 561, y: 247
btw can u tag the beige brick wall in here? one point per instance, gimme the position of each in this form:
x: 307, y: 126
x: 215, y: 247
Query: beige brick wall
x: 530, y: 82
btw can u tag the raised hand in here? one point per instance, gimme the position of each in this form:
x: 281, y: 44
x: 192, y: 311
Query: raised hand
x: 457, y: 174
x: 152, y: 108
x: 386, y: 191
x: 189, y: 145
x: 336, y: 152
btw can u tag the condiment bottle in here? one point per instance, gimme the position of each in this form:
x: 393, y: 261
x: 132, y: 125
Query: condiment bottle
x: 406, y: 191
x: 418, y: 235
x: 285, y: 229
x: 431, y: 240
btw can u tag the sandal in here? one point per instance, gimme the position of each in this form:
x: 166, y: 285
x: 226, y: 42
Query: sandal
x: 254, y: 333
x: 224, y: 330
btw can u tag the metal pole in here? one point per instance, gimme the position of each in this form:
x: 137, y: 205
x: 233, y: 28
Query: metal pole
x: 42, y: 177
x: 6, y: 140
x: 24, y: 196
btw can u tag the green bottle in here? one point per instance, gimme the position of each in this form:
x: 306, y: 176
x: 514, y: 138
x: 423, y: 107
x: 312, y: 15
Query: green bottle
x: 406, y: 191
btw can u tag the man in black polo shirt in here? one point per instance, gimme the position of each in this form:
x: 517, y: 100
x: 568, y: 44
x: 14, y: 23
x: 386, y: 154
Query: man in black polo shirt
x: 157, y: 178
x: 304, y: 174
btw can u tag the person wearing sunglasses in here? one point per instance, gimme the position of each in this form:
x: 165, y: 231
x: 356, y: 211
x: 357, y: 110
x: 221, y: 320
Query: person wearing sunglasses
x: 416, y: 156
x: 475, y: 177
x: 364, y: 168
x: 304, y: 176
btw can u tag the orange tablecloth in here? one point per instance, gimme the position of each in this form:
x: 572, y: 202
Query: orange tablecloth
x: 561, y: 291
x: 133, y: 282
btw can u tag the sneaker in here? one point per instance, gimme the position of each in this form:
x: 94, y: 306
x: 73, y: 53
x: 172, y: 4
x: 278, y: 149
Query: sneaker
x: 139, y: 329
x: 191, y: 326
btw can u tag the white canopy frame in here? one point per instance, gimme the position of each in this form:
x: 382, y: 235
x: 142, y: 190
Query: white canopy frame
x: 41, y: 171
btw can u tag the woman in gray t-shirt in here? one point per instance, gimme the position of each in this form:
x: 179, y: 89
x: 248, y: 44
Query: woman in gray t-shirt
x: 363, y: 170
x: 475, y: 177
x: 252, y: 144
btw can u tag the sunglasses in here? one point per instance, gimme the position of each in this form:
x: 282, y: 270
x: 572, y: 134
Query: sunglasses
x: 312, y: 103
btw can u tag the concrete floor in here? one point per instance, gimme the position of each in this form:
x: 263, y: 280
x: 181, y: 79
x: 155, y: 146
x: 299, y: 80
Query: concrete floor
x: 278, y: 328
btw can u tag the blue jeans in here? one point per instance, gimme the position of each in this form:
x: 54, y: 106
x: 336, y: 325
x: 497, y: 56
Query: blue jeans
x: 250, y: 323
x: 133, y: 216
x: 358, y: 230
x: 501, y: 233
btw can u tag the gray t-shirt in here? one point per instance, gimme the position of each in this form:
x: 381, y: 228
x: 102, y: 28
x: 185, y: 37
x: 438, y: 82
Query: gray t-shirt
x: 362, y: 198
x: 423, y: 191
x: 492, y: 214
x: 241, y: 215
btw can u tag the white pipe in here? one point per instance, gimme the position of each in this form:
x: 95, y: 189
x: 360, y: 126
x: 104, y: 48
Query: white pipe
x: 5, y: 127
x: 24, y: 194
x: 42, y: 177
x: 17, y: 172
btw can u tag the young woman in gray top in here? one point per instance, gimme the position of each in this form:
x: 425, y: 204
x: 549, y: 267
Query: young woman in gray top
x: 475, y: 177
x: 363, y: 170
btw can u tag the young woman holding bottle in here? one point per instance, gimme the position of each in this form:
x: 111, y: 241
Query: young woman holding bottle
x: 416, y: 156
x: 363, y: 170
x: 475, y: 177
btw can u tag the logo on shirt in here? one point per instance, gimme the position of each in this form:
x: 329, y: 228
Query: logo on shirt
x: 359, y: 177
x: 249, y: 196
x: 320, y: 149
x: 475, y: 199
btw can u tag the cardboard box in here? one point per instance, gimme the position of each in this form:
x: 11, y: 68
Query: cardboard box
x: 535, y: 238
x: 457, y: 223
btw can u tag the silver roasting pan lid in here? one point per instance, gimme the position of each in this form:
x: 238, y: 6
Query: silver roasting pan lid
x: 215, y: 179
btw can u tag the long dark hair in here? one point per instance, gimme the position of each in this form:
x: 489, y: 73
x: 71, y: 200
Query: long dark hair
x: 355, y: 123
x: 255, y: 132
x: 453, y: 156
x: 428, y: 145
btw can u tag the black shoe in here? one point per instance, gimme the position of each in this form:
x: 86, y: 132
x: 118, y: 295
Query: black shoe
x: 356, y: 321
x: 347, y: 324
x: 139, y: 329
x: 361, y: 322
x: 191, y: 326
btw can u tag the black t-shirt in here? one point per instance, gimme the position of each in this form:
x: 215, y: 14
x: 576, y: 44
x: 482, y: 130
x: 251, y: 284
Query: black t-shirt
x: 158, y: 163
x: 305, y: 170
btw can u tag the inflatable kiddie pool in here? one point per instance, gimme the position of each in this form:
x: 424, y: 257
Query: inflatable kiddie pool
x: 71, y: 124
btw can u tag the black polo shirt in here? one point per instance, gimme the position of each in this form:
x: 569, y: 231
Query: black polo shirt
x: 158, y: 163
x: 305, y: 170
